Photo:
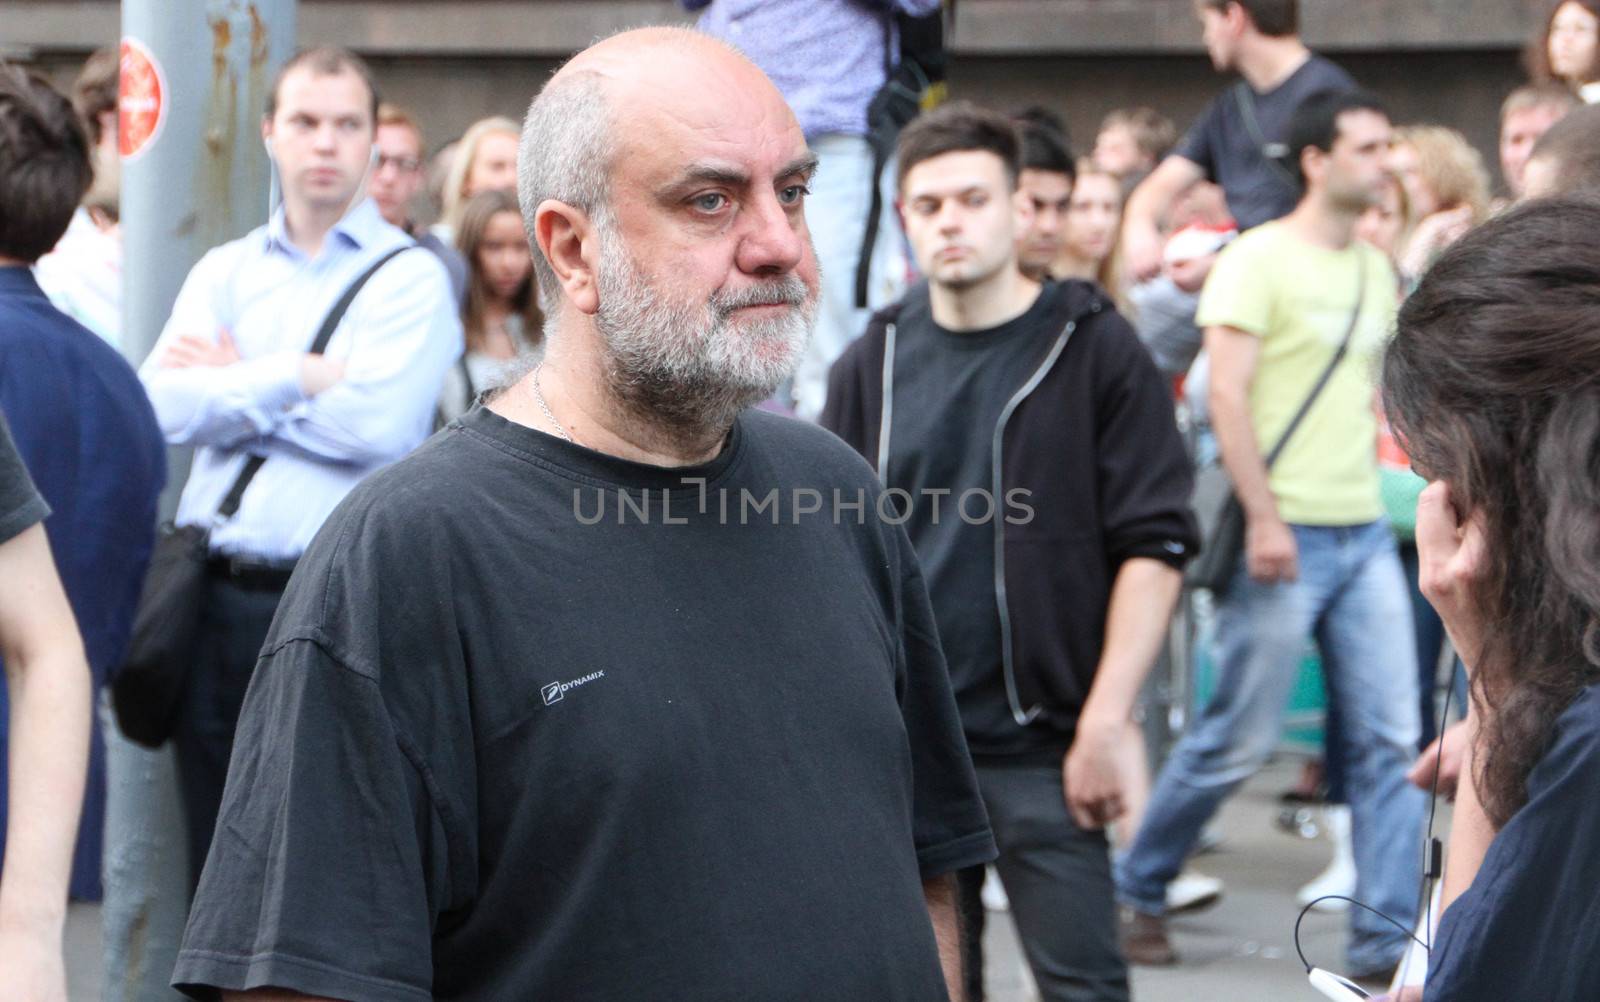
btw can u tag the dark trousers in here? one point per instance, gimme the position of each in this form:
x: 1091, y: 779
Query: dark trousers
x: 233, y: 626
x: 1058, y: 878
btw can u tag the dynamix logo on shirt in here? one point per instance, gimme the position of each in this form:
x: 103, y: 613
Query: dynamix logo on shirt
x: 556, y: 690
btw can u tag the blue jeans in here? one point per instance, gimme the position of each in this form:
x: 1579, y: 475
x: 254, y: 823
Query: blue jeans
x: 1430, y: 642
x: 1351, y: 595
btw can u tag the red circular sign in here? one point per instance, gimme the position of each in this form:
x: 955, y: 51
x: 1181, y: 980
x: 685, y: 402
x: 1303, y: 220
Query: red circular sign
x: 141, y: 99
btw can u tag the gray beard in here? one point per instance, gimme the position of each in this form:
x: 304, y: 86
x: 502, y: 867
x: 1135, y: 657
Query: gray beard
x: 684, y: 371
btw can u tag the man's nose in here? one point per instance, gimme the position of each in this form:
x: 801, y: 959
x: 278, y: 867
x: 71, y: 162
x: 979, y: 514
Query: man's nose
x: 773, y: 241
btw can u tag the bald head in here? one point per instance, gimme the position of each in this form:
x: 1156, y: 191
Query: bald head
x: 646, y: 52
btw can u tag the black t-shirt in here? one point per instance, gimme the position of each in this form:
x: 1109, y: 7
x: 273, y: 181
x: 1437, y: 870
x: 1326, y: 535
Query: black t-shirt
x: 949, y: 391
x: 21, y: 507
x: 493, y: 751
x: 1222, y: 144
x: 1527, y: 928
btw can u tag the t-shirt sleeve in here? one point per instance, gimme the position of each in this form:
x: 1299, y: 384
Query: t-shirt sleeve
x: 1146, y: 477
x: 951, y: 825
x: 1237, y: 294
x: 329, y: 857
x: 21, y: 507
x: 1199, y: 144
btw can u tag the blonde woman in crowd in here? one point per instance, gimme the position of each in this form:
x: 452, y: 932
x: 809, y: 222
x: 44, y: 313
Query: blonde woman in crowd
x: 485, y: 159
x: 500, y: 320
x: 1092, y: 231
x: 1388, y: 225
x: 1447, y: 185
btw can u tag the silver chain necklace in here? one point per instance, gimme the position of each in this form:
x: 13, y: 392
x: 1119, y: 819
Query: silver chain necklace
x: 545, y: 406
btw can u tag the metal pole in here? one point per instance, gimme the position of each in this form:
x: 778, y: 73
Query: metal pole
x: 193, y: 87
x: 194, y: 175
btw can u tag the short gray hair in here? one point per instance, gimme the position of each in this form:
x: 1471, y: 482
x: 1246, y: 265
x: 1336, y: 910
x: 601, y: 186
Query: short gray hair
x: 565, y: 154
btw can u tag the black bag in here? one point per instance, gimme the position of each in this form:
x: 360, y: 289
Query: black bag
x: 147, y: 691
x: 1218, y: 508
x: 915, y: 83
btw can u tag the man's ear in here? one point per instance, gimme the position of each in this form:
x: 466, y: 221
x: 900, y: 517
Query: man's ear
x: 1021, y: 214
x: 1311, y: 162
x: 1023, y: 201
x: 1238, y: 18
x: 569, y: 241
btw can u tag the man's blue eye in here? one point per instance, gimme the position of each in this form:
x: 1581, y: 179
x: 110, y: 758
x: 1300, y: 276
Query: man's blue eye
x: 794, y: 193
x: 710, y: 202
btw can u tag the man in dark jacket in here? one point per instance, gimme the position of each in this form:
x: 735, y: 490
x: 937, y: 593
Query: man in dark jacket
x: 1046, y: 492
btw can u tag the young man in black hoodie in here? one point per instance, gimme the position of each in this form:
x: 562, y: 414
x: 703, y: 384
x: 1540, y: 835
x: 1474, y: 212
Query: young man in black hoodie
x: 1048, y: 502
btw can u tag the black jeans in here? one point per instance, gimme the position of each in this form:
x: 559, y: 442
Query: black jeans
x: 233, y: 626
x: 1058, y: 878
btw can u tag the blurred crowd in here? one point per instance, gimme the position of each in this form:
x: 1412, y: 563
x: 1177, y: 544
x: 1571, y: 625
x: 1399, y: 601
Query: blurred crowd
x: 1169, y: 330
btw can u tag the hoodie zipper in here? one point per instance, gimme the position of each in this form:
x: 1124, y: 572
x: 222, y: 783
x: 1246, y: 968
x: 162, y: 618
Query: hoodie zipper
x: 1007, y: 669
x: 1023, y: 717
x: 886, y: 416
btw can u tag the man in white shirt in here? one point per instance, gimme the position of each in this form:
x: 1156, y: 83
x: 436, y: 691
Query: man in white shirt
x: 82, y: 274
x: 232, y: 376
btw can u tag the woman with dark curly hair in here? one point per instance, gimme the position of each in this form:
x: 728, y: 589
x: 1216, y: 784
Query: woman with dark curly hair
x: 1493, y: 384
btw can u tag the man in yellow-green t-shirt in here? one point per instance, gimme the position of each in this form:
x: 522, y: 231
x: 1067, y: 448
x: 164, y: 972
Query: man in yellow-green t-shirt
x: 1281, y: 306
x: 1319, y: 558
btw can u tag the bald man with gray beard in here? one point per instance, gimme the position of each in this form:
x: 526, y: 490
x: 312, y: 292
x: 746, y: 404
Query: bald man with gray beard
x: 616, y: 689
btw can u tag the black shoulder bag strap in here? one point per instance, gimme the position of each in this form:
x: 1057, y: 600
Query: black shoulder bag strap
x: 922, y: 57
x: 230, y: 502
x: 1270, y: 152
x: 1327, y: 374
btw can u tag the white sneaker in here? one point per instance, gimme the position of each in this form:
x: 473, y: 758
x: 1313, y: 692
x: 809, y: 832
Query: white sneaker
x: 1192, y: 891
x: 994, y: 892
x: 1340, y: 876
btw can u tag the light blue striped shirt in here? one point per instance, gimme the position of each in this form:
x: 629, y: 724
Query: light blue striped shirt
x: 398, y: 339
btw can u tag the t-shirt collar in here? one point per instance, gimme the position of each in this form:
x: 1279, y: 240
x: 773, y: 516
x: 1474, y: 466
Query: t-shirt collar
x: 587, y: 465
x: 1028, y: 319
